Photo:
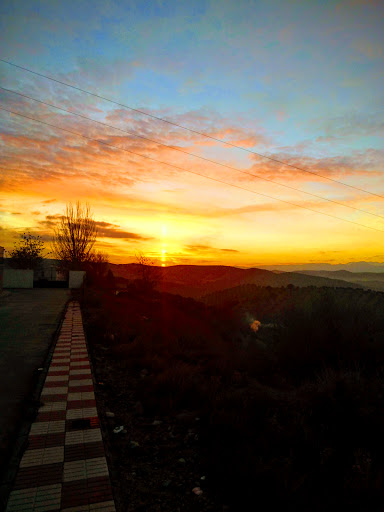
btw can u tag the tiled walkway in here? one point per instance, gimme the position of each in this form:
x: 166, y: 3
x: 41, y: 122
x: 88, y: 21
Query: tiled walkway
x: 64, y: 466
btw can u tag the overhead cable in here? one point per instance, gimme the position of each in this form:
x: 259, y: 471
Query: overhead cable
x: 135, y: 134
x: 276, y: 160
x: 188, y: 170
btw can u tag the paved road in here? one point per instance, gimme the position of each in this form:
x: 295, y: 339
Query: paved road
x: 28, y: 321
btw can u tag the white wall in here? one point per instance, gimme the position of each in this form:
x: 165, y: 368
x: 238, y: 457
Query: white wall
x: 76, y: 278
x: 15, y: 278
x: 1, y: 267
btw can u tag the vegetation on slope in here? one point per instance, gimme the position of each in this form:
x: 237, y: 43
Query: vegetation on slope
x: 290, y: 415
x: 197, y: 280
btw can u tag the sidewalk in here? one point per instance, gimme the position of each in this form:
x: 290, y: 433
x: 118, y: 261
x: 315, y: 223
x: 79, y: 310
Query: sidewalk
x: 64, y: 466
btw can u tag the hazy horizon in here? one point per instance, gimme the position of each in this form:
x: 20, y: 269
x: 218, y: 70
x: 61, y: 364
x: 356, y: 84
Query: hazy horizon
x: 353, y: 266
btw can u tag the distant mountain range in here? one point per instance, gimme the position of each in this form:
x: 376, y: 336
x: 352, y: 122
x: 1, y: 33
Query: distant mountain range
x: 372, y: 280
x: 198, y: 280
x: 357, y: 266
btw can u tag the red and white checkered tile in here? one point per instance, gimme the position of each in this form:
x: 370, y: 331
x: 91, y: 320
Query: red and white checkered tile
x: 64, y: 467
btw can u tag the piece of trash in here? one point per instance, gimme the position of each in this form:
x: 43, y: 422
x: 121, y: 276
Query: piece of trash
x: 197, y: 419
x: 182, y: 460
x: 197, y: 491
x: 101, y: 383
x: 202, y: 478
x: 119, y: 429
x: 167, y: 483
x: 40, y: 369
x: 157, y: 422
x: 110, y: 414
x: 134, y: 444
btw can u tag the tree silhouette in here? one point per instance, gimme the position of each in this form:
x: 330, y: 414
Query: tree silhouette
x: 97, y: 267
x: 75, y: 236
x: 149, y: 273
x: 28, y: 252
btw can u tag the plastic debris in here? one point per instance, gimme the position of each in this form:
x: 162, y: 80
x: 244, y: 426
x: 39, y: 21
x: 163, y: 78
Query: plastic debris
x: 202, y: 478
x: 120, y: 429
x: 182, y: 460
x: 110, y: 414
x: 134, y: 444
x: 157, y: 422
x: 197, y: 491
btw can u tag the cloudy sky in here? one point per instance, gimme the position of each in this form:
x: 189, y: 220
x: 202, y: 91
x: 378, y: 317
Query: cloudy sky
x: 299, y: 82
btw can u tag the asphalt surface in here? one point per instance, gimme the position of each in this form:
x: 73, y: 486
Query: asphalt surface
x: 29, y: 320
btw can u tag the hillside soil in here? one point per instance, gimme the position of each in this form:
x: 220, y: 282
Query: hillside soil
x: 155, y: 462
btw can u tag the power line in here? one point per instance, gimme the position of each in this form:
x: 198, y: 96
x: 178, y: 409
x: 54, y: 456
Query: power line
x: 191, y: 154
x: 187, y: 170
x: 189, y: 129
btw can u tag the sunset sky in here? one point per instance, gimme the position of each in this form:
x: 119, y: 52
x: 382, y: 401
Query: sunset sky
x: 301, y: 82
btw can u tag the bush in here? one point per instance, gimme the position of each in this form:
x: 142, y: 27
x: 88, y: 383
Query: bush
x: 328, y: 331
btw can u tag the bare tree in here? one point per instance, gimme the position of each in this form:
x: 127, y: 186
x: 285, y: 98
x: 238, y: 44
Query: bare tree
x: 75, y: 236
x: 149, y: 273
x: 97, y: 266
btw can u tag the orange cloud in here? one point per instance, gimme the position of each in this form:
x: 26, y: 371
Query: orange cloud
x: 135, y: 196
x: 359, y: 163
x: 108, y: 230
x: 206, y: 248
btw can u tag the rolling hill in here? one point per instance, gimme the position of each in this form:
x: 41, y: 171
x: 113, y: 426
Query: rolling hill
x: 372, y: 280
x: 198, y: 280
x: 354, y: 266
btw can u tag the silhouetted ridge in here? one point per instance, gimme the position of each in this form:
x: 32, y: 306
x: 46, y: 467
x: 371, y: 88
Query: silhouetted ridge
x: 198, y: 280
